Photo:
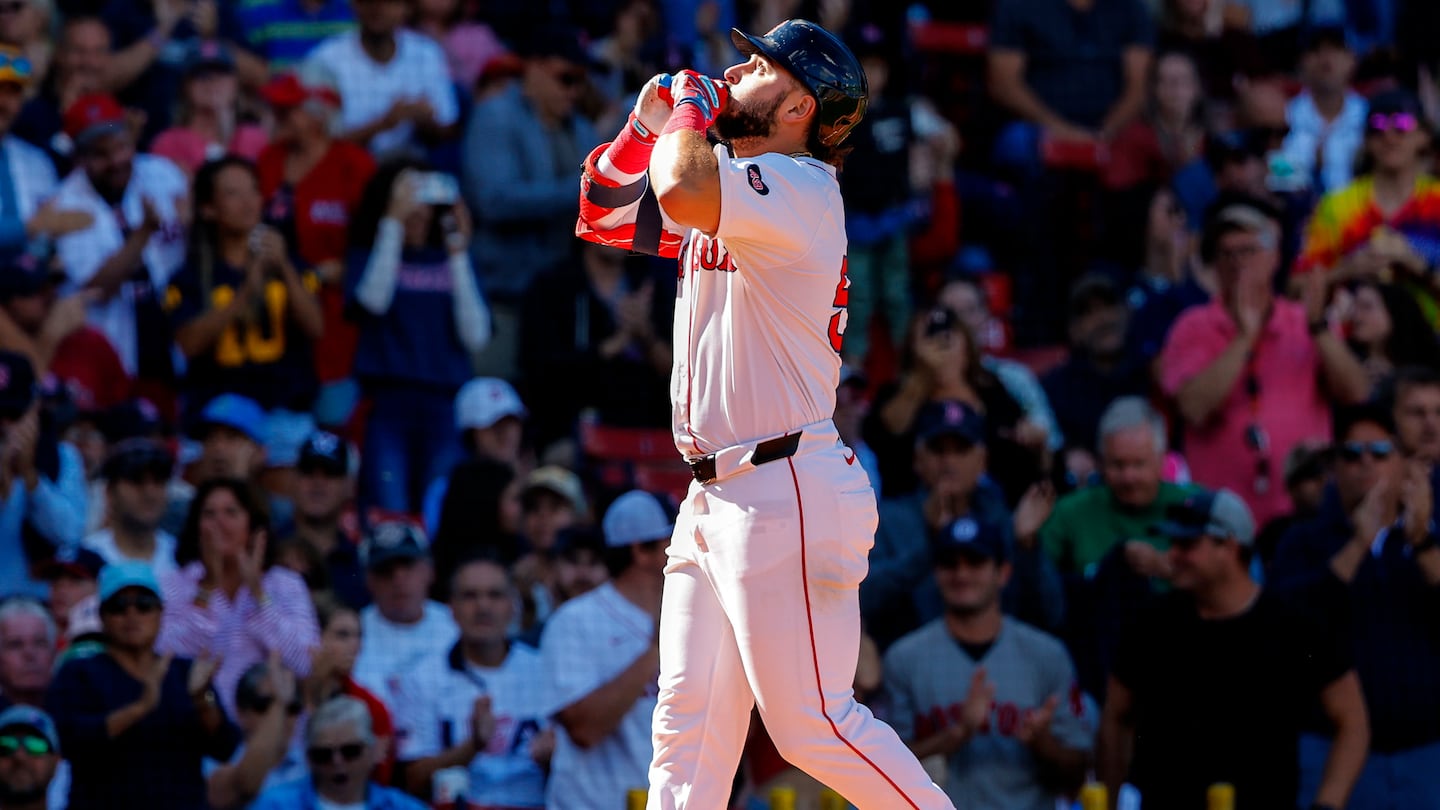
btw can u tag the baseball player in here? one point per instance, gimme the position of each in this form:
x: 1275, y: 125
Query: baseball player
x: 760, y: 601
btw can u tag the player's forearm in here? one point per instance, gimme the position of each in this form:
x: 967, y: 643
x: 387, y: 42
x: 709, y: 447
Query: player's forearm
x: 685, y: 176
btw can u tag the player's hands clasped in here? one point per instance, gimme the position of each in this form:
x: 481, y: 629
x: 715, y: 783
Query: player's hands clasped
x: 710, y: 95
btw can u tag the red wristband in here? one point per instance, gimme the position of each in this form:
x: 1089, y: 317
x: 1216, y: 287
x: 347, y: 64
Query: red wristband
x: 630, y: 151
x: 687, y: 115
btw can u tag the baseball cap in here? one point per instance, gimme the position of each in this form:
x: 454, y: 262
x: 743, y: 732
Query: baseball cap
x: 233, y: 411
x: 484, y: 401
x: 1220, y: 514
x: 968, y: 537
x: 636, y: 517
x: 324, y: 452
x: 391, y: 540
x: 1091, y: 291
x: 133, y: 458
x: 207, y: 56
x: 27, y: 273
x: 75, y: 562
x: 129, y: 419
x: 91, y: 116
x: 28, y: 717
x: 1235, y: 212
x: 17, y: 385
x: 15, y: 66
x: 116, y: 577
x: 291, y: 90
x: 950, y: 417
x: 560, y: 481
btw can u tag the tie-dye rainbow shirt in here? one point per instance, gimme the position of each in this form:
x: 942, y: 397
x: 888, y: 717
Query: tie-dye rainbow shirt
x: 1345, y: 218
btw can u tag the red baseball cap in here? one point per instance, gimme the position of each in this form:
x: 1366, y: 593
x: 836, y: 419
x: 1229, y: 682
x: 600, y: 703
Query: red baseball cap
x: 92, y: 115
x: 286, y: 91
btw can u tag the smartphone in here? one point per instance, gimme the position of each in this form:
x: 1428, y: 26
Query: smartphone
x: 437, y: 188
x: 940, y: 321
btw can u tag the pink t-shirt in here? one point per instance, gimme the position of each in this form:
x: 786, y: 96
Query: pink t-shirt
x: 189, y: 149
x: 1290, y: 406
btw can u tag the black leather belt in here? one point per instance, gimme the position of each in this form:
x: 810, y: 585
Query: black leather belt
x: 703, y: 468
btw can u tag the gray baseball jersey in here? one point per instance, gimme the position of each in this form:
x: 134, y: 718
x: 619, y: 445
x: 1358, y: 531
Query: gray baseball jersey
x: 927, y: 675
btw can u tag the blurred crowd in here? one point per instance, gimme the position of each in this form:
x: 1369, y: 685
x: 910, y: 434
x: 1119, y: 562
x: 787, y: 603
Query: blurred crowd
x: 303, y: 379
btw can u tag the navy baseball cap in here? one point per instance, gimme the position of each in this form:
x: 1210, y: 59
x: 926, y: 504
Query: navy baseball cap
x: 969, y: 538
x: 116, y: 577
x: 17, y: 385
x: 324, y: 452
x: 950, y: 417
x: 74, y: 562
x: 206, y: 57
x: 131, y: 419
x: 29, y: 717
x: 134, y: 458
x: 1220, y: 514
x: 392, y: 540
x: 27, y: 273
x: 235, y: 412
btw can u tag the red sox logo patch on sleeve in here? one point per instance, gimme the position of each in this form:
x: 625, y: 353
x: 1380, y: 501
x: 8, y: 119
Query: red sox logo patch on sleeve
x: 756, y: 182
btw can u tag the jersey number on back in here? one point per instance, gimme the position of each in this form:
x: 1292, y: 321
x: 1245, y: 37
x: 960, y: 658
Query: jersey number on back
x: 841, y: 302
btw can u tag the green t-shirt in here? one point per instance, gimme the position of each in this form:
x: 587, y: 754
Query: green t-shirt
x: 1087, y: 524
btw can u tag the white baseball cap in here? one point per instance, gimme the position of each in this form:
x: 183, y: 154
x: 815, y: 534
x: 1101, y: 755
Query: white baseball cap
x: 636, y: 517
x: 484, y: 401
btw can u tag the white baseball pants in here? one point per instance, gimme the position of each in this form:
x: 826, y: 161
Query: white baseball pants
x: 761, y: 607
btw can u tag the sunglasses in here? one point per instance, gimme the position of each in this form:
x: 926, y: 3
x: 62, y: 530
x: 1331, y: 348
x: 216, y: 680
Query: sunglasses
x: 1395, y: 122
x: 325, y: 755
x: 32, y: 744
x: 1379, y: 450
x: 143, y: 602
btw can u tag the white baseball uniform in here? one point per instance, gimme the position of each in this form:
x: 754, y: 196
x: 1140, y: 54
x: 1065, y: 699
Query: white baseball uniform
x: 761, y: 598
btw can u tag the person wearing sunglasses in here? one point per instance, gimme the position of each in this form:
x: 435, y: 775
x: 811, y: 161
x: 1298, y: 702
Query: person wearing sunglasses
x: 341, y: 750
x: 29, y: 758
x: 1386, y: 224
x: 133, y: 722
x: 1372, y: 558
x: 267, y: 707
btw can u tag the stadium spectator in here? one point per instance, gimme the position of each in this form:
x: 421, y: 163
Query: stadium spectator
x: 72, y: 576
x: 469, y: 44
x: 401, y: 626
x: 1414, y: 396
x: 942, y: 362
x: 1222, y: 54
x: 551, y: 501
x: 1100, y: 367
x: 267, y: 705
x: 1384, y: 224
x: 993, y: 696
x: 414, y: 294
x: 1250, y: 373
x: 1375, y: 535
x: 332, y: 664
x: 898, y: 594
x: 342, y: 751
x: 284, y: 33
x: 1281, y: 26
x: 1387, y: 331
x: 1171, y: 278
x: 1169, y: 134
x: 232, y: 434
x: 228, y: 600
x: 208, y: 125
x: 29, y: 758
x: 579, y: 560
x: 395, y: 88
x: 42, y: 482
x: 601, y: 656
x: 29, y: 179
x: 136, y: 474
x: 480, y: 514
x: 852, y: 405
x: 312, y: 183
x: 1327, y: 118
x: 599, y: 339
x: 81, y: 66
x: 243, y: 314
x: 478, y: 704
x: 134, y: 244
x: 521, y: 147
x: 28, y: 637
x: 1307, y: 473
x: 1175, y: 697
x: 324, y: 490
x: 134, y: 722
x: 491, y: 421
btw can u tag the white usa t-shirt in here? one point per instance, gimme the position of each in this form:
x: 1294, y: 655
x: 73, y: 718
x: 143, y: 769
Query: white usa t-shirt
x: 760, y: 313
x: 389, y: 650
x: 433, y: 711
x: 587, y: 643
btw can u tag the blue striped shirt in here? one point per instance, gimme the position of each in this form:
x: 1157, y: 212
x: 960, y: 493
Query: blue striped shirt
x: 284, y: 32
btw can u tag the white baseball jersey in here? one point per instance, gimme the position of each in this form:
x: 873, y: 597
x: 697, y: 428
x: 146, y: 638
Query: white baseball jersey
x: 587, y: 643
x: 433, y: 711
x: 760, y: 312
x: 388, y: 650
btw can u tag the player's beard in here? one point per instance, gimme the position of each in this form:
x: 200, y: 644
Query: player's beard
x: 747, y: 119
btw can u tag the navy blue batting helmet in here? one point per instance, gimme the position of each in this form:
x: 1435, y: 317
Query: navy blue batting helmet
x: 823, y: 64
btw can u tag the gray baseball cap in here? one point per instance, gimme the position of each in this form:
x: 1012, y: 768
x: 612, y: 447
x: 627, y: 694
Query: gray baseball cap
x: 1220, y: 514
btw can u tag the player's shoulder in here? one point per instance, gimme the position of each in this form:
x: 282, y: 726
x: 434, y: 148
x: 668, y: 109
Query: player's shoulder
x: 771, y: 169
x: 917, y: 645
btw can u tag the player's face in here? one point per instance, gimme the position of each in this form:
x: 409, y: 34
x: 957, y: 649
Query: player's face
x: 1417, y: 421
x: 483, y: 602
x: 1132, y: 466
x: 970, y: 584
x: 757, y: 90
